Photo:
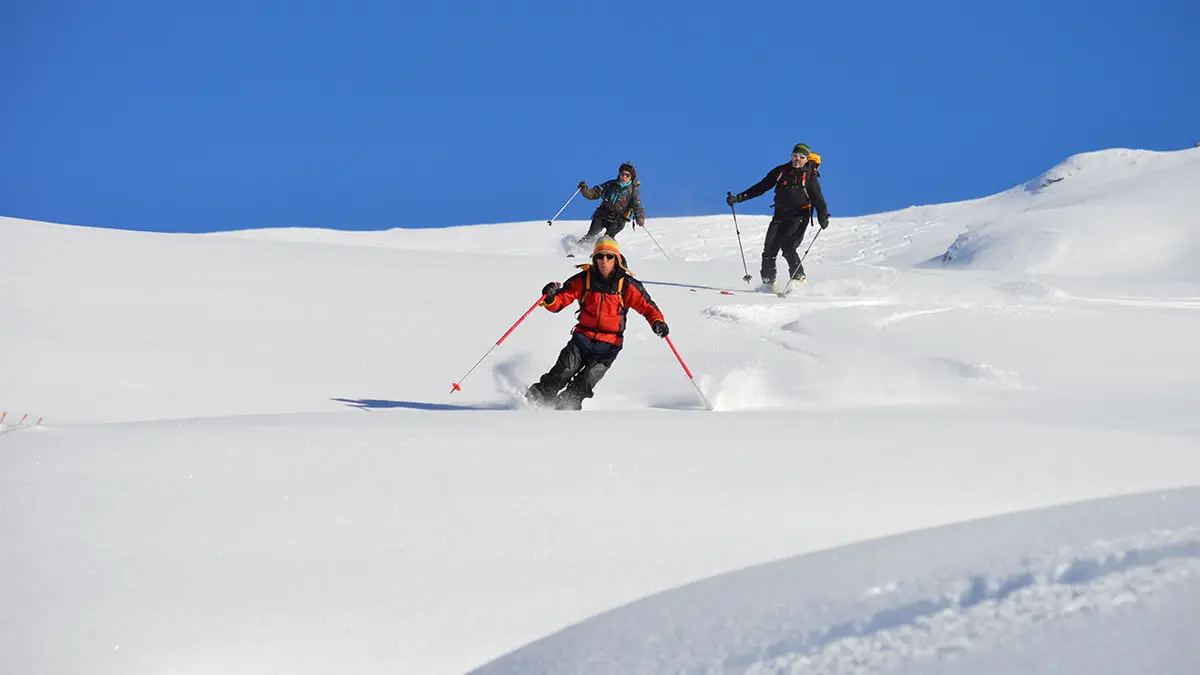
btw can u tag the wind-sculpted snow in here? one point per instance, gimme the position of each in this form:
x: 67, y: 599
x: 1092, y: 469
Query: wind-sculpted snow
x: 990, y: 608
x: 806, y: 615
x: 1115, y: 213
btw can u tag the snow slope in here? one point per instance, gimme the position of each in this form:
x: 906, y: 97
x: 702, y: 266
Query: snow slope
x: 1134, y: 219
x: 251, y: 462
x: 1106, y: 586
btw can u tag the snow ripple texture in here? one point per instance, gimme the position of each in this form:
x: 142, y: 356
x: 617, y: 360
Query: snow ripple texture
x: 982, y: 608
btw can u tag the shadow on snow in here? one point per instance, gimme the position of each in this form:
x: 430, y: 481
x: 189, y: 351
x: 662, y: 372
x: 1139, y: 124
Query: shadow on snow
x: 380, y: 404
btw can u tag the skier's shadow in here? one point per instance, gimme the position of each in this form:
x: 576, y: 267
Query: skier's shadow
x: 380, y: 404
x: 676, y: 403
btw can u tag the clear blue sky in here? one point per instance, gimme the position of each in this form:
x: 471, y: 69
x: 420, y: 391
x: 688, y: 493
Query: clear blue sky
x: 216, y: 115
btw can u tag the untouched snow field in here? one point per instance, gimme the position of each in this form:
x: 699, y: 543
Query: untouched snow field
x: 968, y: 445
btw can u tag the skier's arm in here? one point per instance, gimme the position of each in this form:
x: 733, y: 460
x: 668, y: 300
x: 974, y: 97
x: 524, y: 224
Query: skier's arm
x: 639, y: 213
x: 569, y: 293
x: 638, y: 299
x: 593, y: 192
x: 761, y: 186
x: 818, y: 200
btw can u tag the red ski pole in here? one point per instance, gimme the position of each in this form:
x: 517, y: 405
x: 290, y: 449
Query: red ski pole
x: 455, y: 386
x: 689, y: 373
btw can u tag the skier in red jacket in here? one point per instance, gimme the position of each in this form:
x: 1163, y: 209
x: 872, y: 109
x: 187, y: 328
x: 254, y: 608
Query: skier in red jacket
x: 605, y: 291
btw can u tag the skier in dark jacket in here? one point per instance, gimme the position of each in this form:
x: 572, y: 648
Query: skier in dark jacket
x: 619, y: 201
x: 605, y: 291
x: 797, y: 194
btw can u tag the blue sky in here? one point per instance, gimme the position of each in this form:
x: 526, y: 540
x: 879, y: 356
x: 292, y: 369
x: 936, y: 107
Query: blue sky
x: 216, y: 115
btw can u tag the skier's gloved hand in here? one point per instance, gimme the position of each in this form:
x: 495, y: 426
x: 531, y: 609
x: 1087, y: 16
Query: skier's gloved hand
x: 660, y: 328
x: 823, y: 220
x: 639, y: 222
x: 549, y: 290
x: 731, y: 198
x: 582, y: 185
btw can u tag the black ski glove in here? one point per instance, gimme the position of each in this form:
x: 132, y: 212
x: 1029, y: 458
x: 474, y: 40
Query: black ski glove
x: 582, y: 185
x: 549, y: 290
x: 660, y: 328
x: 823, y: 221
x: 731, y: 199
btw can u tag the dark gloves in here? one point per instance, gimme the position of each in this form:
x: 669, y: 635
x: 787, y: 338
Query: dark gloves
x: 639, y: 222
x: 731, y: 198
x: 582, y: 185
x: 660, y: 328
x: 823, y: 220
x: 549, y: 290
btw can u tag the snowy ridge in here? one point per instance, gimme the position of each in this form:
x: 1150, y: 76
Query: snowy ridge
x: 975, y: 605
x: 1103, y: 213
x: 1117, y: 212
x: 988, y: 608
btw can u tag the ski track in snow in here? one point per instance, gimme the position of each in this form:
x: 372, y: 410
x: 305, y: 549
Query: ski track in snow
x: 776, y: 315
x: 13, y: 428
x: 904, y: 316
x: 984, y: 607
x: 1147, y: 303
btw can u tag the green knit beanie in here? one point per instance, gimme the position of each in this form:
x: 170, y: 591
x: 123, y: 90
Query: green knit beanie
x: 802, y: 149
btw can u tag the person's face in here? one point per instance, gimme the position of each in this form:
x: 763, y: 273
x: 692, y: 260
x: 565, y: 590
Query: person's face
x: 625, y: 176
x: 607, y: 262
x: 799, y: 159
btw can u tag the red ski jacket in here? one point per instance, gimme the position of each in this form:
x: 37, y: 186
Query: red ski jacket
x: 603, y: 303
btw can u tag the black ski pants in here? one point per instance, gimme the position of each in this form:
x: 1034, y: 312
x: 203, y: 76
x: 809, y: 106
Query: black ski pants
x: 607, y: 223
x: 573, y: 378
x: 784, y: 234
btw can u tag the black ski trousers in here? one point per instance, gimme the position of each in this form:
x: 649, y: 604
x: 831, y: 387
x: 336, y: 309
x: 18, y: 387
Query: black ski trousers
x: 574, y: 376
x: 784, y: 234
x: 602, y: 222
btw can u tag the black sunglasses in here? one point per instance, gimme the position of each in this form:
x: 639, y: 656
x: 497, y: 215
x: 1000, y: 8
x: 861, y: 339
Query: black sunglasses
x: 604, y: 256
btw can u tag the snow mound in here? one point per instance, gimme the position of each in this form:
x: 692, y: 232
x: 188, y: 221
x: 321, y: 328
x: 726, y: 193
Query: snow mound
x: 1109, y: 213
x: 996, y: 585
x: 1094, y: 167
